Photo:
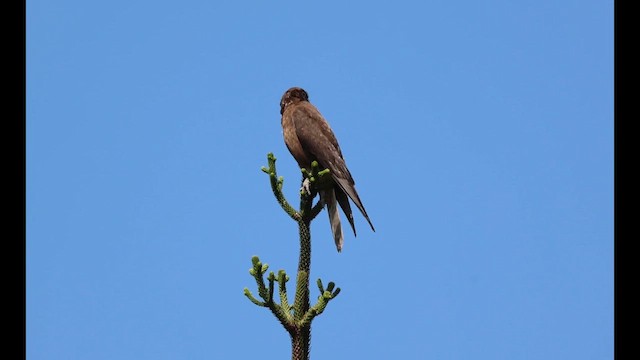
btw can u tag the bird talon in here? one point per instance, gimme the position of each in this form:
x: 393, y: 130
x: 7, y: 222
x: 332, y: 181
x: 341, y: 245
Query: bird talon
x: 306, y: 186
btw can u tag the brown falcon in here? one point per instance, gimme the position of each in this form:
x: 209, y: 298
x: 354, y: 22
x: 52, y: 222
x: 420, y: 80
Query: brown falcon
x: 309, y: 137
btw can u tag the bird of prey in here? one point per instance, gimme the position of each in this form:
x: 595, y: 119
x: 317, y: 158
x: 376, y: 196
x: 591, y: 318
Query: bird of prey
x: 309, y: 137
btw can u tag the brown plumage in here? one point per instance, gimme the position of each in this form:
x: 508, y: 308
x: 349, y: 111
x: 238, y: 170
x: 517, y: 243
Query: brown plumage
x: 309, y: 137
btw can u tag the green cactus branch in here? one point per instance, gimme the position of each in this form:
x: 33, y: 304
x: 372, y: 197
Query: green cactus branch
x: 296, y: 318
x: 276, y: 186
x: 281, y: 311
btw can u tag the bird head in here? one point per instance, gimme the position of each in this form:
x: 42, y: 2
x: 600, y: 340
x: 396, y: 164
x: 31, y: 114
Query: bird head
x: 293, y: 95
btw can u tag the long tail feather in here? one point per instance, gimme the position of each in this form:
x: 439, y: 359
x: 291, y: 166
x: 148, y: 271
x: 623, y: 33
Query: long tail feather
x: 350, y: 190
x: 343, y: 201
x: 329, y: 198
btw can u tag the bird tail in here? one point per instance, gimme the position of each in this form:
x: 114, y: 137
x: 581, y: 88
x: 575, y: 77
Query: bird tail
x: 349, y: 189
x: 343, y: 201
x: 329, y: 198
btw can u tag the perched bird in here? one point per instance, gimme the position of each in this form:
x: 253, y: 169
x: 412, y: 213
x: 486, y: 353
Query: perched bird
x: 309, y: 137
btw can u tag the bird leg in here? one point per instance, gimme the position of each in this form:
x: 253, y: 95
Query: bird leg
x: 306, y: 186
x: 314, y: 179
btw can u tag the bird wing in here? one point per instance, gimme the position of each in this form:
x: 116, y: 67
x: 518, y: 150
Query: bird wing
x: 317, y: 138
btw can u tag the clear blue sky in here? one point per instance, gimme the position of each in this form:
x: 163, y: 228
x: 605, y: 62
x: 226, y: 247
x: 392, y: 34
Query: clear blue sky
x: 480, y: 136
